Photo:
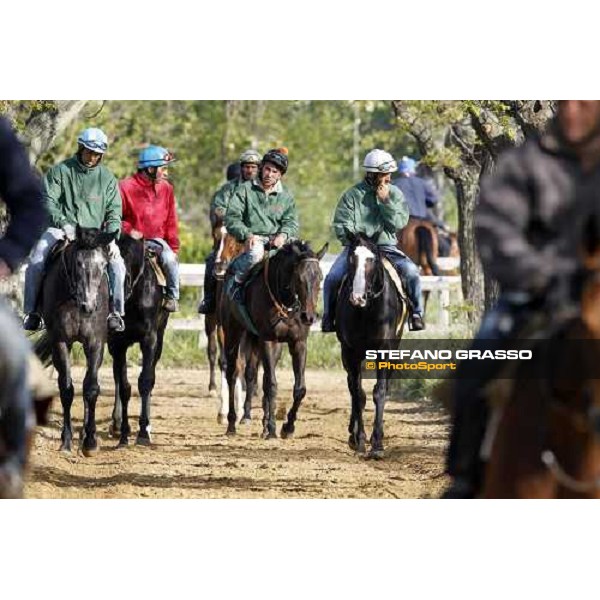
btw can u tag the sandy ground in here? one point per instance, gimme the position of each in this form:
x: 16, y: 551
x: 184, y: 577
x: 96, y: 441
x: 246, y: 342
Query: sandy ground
x: 191, y: 457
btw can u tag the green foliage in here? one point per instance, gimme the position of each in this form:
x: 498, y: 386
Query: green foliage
x: 207, y: 135
x: 19, y: 112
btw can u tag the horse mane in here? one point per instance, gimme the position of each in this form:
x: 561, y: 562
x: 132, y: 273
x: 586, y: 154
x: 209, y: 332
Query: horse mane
x: 300, y: 248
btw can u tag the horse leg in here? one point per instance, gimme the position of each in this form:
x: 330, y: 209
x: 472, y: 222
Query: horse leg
x: 268, y: 350
x: 146, y: 380
x: 250, y: 376
x: 356, y: 428
x: 120, y: 418
x: 223, y: 410
x: 94, y: 352
x: 210, y: 326
x: 62, y: 364
x: 232, y: 345
x: 379, y: 397
x: 298, y: 352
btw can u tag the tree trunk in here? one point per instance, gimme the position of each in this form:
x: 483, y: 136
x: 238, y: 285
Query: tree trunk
x: 43, y: 128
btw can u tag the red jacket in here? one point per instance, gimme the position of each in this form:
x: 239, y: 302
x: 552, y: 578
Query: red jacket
x: 149, y: 207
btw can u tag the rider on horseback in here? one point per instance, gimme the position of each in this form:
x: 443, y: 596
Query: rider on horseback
x: 249, y: 163
x: 79, y: 191
x: 373, y: 207
x: 149, y: 212
x: 22, y: 193
x: 262, y: 211
x: 526, y: 226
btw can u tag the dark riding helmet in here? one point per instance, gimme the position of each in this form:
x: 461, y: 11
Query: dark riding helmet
x: 277, y: 157
x: 234, y: 171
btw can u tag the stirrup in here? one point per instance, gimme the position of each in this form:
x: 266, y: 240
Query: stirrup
x: 115, y: 322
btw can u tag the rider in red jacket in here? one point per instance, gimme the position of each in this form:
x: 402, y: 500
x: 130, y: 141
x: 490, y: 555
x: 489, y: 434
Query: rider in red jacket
x: 149, y: 211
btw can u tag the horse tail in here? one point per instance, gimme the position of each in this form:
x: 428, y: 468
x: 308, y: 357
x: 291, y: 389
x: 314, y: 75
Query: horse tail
x: 43, y: 349
x: 425, y: 245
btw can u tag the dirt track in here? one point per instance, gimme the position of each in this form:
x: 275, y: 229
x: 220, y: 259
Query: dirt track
x: 192, y: 458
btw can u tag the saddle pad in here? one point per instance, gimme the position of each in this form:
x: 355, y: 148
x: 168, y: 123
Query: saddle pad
x: 391, y: 270
x: 160, y: 275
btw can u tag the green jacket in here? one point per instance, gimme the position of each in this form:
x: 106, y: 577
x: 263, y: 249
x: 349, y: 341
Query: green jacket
x: 222, y: 197
x: 80, y: 196
x: 359, y: 211
x: 252, y: 211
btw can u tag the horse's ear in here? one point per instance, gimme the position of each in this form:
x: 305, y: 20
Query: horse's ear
x: 321, y: 252
x: 104, y: 239
x: 350, y: 236
x: 295, y: 249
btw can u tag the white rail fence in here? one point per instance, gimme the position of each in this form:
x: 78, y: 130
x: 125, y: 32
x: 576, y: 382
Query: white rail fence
x: 447, y: 288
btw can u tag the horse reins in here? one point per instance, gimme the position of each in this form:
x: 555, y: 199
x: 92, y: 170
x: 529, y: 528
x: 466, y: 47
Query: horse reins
x: 283, y: 311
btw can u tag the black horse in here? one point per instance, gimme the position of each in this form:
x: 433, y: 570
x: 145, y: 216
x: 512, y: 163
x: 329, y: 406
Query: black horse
x: 145, y: 323
x: 370, y: 315
x: 281, y: 301
x: 75, y: 305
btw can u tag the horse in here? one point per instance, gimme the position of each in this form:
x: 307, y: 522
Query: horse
x: 281, y: 302
x: 419, y: 241
x: 370, y: 315
x: 75, y: 306
x: 145, y: 324
x: 544, y: 439
x: 211, y: 326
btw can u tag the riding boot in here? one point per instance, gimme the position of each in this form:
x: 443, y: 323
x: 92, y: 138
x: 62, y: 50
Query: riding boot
x: 416, y: 322
x: 328, y: 321
x: 464, y: 463
x: 208, y: 304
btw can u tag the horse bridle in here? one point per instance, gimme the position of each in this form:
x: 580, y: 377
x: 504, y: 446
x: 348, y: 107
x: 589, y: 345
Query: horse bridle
x: 283, y: 311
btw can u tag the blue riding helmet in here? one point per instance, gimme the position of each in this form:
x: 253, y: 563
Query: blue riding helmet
x: 154, y: 156
x: 93, y: 139
x: 407, y: 165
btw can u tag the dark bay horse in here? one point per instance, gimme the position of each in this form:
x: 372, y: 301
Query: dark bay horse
x: 145, y: 323
x: 75, y: 305
x: 281, y: 301
x: 369, y: 316
x: 546, y: 435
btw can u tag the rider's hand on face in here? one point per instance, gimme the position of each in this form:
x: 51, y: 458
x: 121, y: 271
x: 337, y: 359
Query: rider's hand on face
x: 383, y: 192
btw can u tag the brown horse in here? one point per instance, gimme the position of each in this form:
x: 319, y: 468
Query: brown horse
x: 547, y: 435
x: 418, y: 240
x: 281, y: 301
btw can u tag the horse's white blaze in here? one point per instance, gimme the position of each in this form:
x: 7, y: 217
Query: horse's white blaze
x: 359, y: 283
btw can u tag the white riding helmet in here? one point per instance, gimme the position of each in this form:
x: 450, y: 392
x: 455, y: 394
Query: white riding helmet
x: 251, y: 157
x: 380, y: 161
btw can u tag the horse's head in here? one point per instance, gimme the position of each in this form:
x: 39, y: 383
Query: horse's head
x: 301, y: 277
x: 227, y: 250
x: 87, y: 259
x: 364, y: 264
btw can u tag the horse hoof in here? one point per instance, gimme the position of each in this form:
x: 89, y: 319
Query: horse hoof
x: 230, y: 430
x: 212, y: 392
x: 65, y: 449
x: 269, y: 435
x: 89, y: 452
x: 221, y: 419
x: 376, y: 454
x: 123, y: 443
x: 245, y: 421
x: 114, y: 431
x: 286, y: 432
x: 143, y: 441
x: 352, y: 443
